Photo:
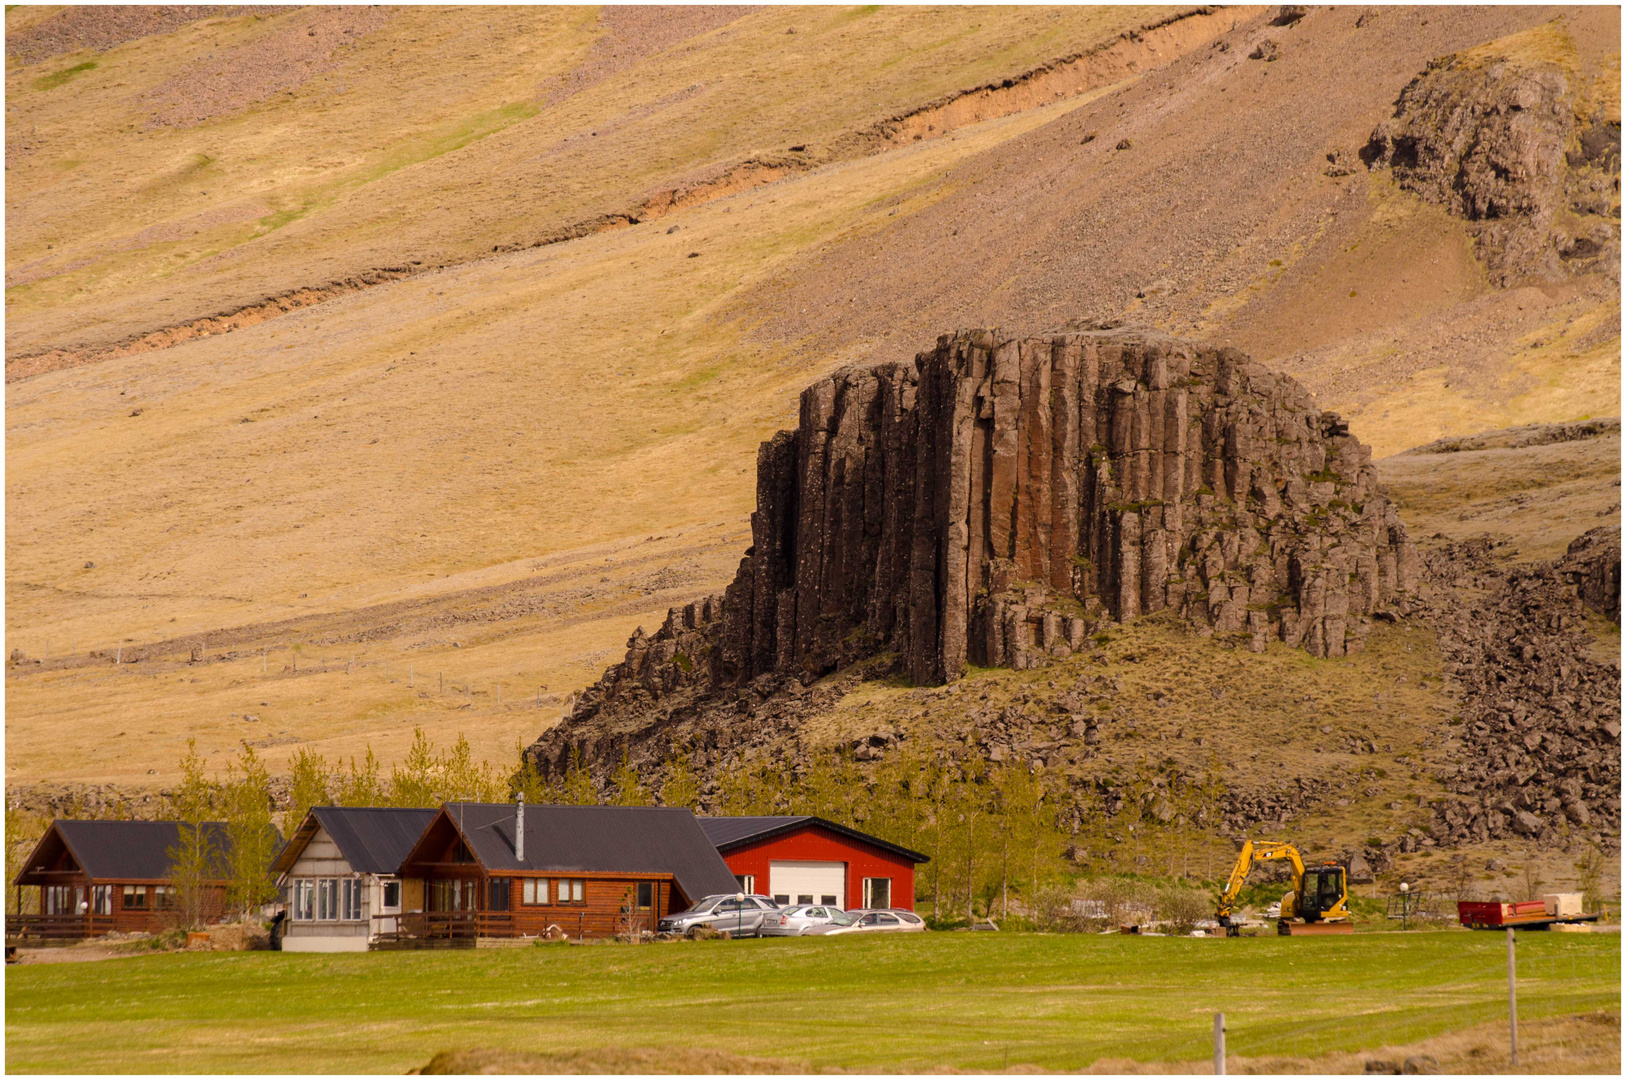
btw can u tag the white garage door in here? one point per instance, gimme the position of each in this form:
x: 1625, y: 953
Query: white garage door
x: 808, y: 882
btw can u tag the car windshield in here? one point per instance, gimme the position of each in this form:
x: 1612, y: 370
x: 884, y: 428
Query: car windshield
x: 842, y: 918
x: 799, y: 909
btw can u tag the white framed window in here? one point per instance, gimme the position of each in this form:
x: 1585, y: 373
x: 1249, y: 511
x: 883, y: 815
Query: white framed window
x: 747, y: 883
x: 391, y: 898
x: 304, y: 900
x: 101, y: 900
x: 350, y: 894
x: 877, y: 892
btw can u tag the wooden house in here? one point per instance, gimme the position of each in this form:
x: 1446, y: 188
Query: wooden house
x: 511, y: 870
x: 801, y: 859
x: 339, y: 876
x: 97, y: 876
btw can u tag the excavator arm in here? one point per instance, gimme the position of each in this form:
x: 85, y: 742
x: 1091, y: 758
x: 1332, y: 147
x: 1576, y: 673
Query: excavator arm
x: 1250, y: 854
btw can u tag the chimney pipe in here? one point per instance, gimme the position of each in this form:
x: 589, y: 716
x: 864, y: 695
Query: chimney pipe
x: 519, y: 829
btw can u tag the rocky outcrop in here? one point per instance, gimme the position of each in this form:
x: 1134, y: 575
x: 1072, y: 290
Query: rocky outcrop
x: 997, y: 500
x: 1592, y: 565
x: 1499, y: 143
x: 1537, y: 754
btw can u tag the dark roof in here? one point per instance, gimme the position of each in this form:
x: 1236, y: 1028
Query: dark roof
x: 372, y: 839
x: 128, y: 850
x: 731, y: 832
x: 587, y: 839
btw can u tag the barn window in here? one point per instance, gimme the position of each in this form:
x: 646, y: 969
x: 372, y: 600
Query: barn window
x: 877, y: 892
x: 135, y: 898
x: 748, y: 883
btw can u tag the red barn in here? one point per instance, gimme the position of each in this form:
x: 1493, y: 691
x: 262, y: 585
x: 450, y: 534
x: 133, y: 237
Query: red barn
x: 808, y: 860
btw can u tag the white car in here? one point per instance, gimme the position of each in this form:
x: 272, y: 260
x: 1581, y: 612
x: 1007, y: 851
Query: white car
x: 803, y: 919
x: 865, y: 921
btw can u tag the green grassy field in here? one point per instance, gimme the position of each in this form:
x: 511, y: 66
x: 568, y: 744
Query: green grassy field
x: 910, y: 1002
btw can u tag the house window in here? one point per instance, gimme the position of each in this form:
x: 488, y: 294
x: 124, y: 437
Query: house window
x: 570, y: 890
x: 534, y: 891
x: 101, y: 899
x: 746, y: 882
x: 350, y: 893
x: 392, y: 896
x: 304, y: 899
x: 58, y: 900
x: 646, y: 895
x: 163, y: 897
x: 497, y: 893
x: 877, y: 892
x: 135, y: 898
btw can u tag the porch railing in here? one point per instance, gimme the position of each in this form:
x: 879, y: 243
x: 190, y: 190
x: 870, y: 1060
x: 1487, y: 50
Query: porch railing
x: 57, y: 927
x: 444, y: 925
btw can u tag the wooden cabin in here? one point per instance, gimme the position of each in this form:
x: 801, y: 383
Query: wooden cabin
x: 97, y: 876
x: 339, y: 876
x: 508, y: 870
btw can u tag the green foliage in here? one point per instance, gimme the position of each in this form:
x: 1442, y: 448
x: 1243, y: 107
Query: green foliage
x: 57, y: 78
x: 251, y: 839
x: 578, y: 788
x: 627, y: 789
x: 360, y: 785
x: 194, y: 863
x: 414, y: 781
x: 682, y: 787
x: 23, y: 831
x: 309, y: 785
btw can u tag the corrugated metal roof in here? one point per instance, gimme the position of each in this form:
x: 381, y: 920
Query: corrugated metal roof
x: 132, y: 850
x: 731, y: 832
x: 373, y: 839
x: 605, y: 839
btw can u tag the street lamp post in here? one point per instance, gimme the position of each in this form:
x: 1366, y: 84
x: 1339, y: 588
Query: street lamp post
x: 1405, y: 898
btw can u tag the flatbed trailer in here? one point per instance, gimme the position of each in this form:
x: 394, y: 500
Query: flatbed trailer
x: 1521, y: 915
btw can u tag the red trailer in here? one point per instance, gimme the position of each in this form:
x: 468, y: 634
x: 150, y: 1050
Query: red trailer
x: 1521, y: 915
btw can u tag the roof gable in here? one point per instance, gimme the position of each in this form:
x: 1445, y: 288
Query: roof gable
x: 372, y: 839
x: 124, y: 850
x: 728, y: 833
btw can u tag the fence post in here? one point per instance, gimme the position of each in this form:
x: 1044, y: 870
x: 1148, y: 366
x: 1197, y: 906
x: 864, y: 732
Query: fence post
x: 1219, y: 1044
x: 1512, y: 1004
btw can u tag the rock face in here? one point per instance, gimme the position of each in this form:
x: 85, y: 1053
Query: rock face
x: 995, y: 501
x: 1592, y: 565
x: 1537, y: 754
x: 1499, y: 143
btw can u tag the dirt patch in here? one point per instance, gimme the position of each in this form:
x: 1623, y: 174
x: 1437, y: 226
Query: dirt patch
x: 101, y: 28
x: 634, y: 33
x: 282, y: 60
x: 1585, y: 1043
x: 608, y: 1060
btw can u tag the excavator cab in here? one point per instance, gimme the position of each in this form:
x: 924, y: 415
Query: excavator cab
x: 1323, y: 890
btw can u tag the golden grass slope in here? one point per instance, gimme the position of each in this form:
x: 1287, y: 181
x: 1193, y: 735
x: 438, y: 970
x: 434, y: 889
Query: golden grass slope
x: 430, y: 135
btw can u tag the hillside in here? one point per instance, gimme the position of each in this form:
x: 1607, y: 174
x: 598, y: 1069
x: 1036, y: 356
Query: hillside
x: 470, y: 421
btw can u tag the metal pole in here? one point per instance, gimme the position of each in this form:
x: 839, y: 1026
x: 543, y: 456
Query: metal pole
x: 1219, y: 1044
x: 1512, y: 1004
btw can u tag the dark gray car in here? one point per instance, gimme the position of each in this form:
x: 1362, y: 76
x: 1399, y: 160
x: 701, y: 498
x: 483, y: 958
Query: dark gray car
x: 738, y: 914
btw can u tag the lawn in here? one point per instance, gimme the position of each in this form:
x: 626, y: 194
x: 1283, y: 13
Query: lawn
x: 907, y: 1002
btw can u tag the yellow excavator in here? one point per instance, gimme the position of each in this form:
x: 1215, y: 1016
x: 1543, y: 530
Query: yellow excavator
x: 1317, y: 904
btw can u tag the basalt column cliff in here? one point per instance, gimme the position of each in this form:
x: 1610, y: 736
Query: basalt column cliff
x: 996, y: 499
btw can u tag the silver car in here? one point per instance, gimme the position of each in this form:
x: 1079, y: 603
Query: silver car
x: 873, y: 920
x: 802, y: 919
x: 741, y: 915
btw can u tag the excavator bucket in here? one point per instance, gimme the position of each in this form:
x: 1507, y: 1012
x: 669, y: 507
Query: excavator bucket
x: 1297, y: 929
